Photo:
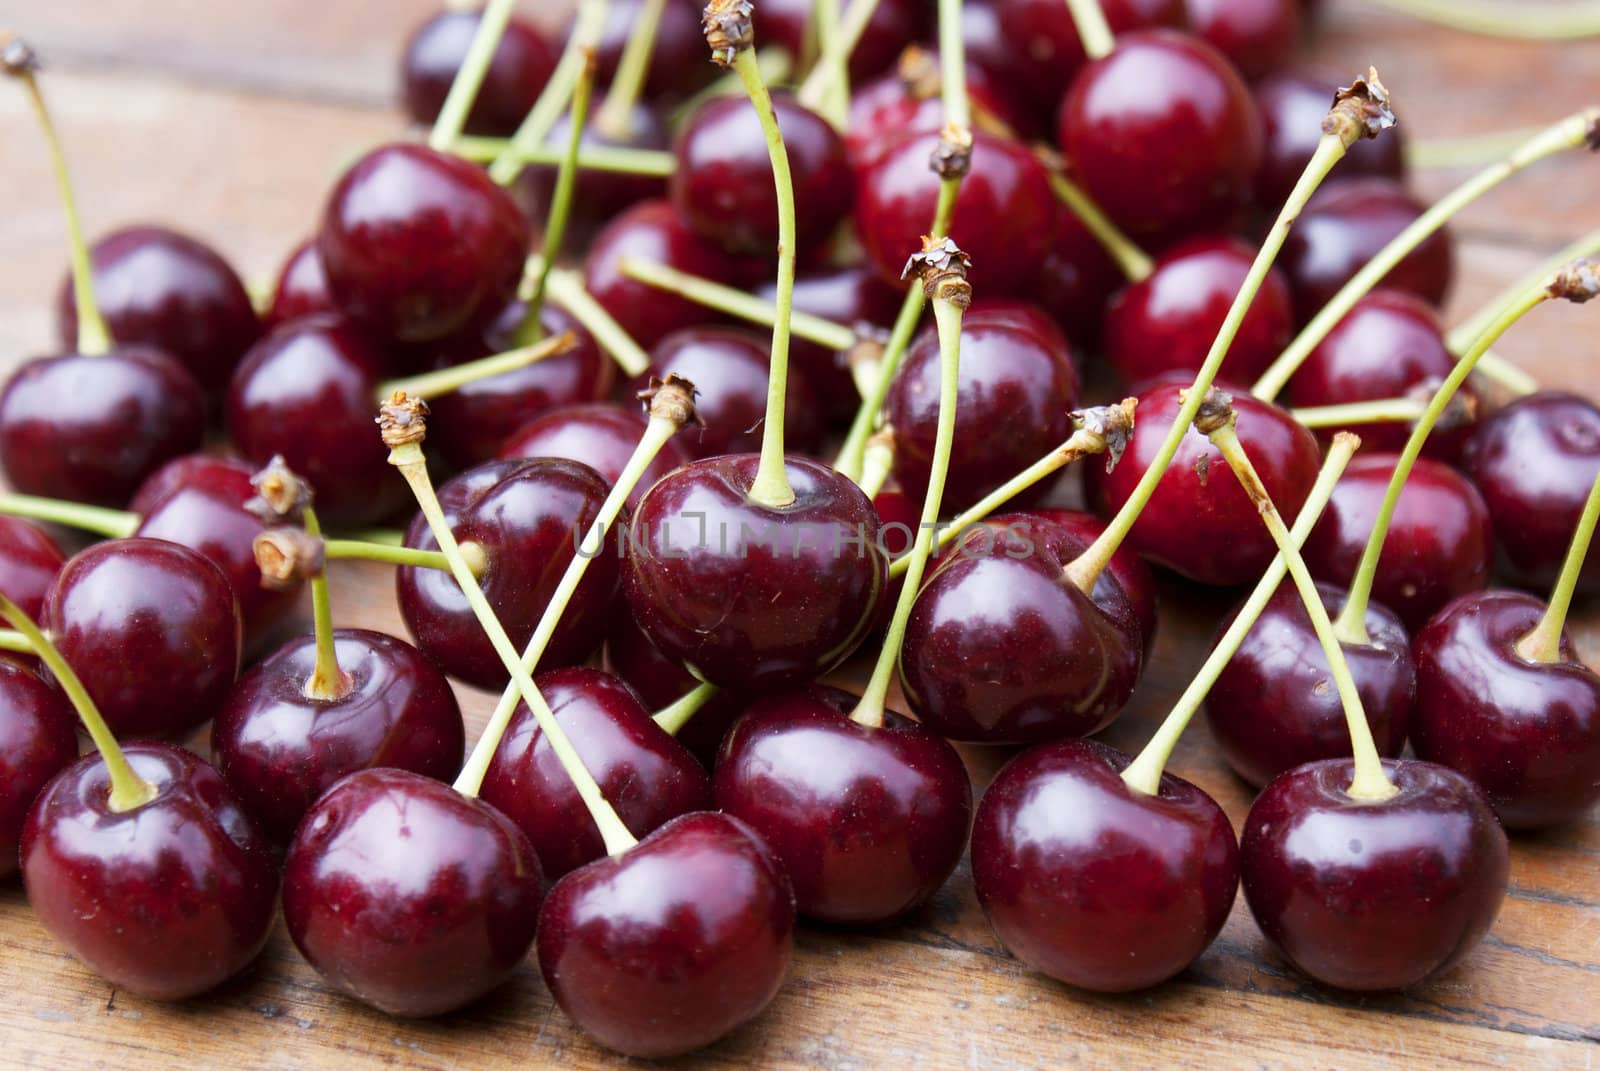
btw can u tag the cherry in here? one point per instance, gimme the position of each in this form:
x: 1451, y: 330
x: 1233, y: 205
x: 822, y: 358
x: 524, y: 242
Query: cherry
x: 1004, y: 217
x: 213, y: 472
x: 38, y: 739
x: 855, y: 296
x: 1292, y: 107
x: 677, y: 60
x: 301, y: 288
x: 1023, y: 315
x: 517, y: 72
x: 1373, y: 895
x: 1075, y: 280
x: 1439, y: 544
x: 1126, y: 568
x: 868, y: 822
x: 660, y: 681
x: 722, y: 186
x: 29, y: 562
x: 1272, y: 708
x: 645, y: 774
x: 888, y: 108
x: 1344, y: 226
x: 606, y: 194
x: 1256, y: 35
x: 1166, y: 322
x: 408, y: 895
x: 279, y: 747
x: 1534, y: 461
x: 1093, y: 882
x: 892, y: 25
x: 166, y: 899
x: 601, y: 435
x: 418, y: 244
x: 527, y: 517
x: 674, y: 943
x: 1163, y: 134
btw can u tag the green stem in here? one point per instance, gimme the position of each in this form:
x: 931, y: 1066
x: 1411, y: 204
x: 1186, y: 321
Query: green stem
x: 878, y: 463
x: 1467, y: 150
x: 1134, y: 262
x: 327, y: 681
x: 389, y: 537
x: 557, y: 93
x: 1463, y: 334
x: 555, y: 228
x: 776, y: 65
x: 567, y: 289
x: 469, y: 77
x: 734, y: 302
x: 673, y: 717
x: 1524, y: 20
x: 1543, y: 644
x: 619, y: 159
x: 111, y: 523
x: 1497, y: 369
x: 953, y: 68
x: 819, y: 84
x: 1093, y: 29
x: 1144, y: 773
x: 445, y: 380
x: 835, y: 103
x: 15, y: 642
x: 615, y: 117
x: 360, y: 550
x: 1345, y: 414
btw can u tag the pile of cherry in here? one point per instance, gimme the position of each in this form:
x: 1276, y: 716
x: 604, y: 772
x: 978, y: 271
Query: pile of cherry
x: 653, y: 827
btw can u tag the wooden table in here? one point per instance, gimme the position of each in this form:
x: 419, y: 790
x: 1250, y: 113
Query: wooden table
x: 229, y: 121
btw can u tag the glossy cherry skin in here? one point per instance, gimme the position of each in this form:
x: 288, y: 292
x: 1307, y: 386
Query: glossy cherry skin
x: 301, y: 288
x: 1534, y: 462
x: 1527, y: 733
x: 679, y: 62
x: 308, y: 391
x: 153, y: 629
x: 213, y: 472
x: 1012, y: 407
x: 280, y: 749
x: 1256, y: 35
x: 1167, y: 321
x: 1275, y: 705
x: 1163, y: 134
x: 90, y: 429
x: 886, y: 109
x: 1347, y: 222
x: 38, y: 738
x: 1004, y: 218
x: 1097, y: 884
x: 1372, y: 896
x: 722, y: 183
x: 159, y: 288
x: 29, y: 562
x: 1439, y: 544
x: 661, y: 681
x: 166, y: 900
x: 1075, y: 280
x: 519, y: 68
x: 1292, y: 109
x: 602, y: 435
x: 754, y: 597
x: 674, y: 943
x: 528, y: 516
x: 868, y: 822
x: 1199, y: 522
x: 728, y: 367
x: 644, y: 773
x: 1126, y: 568
x: 409, y: 896
x: 854, y: 296
x: 418, y: 244
x: 892, y: 25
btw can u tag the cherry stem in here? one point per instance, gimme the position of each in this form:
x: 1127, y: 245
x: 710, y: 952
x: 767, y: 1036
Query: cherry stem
x: 953, y: 67
x: 671, y: 406
x: 832, y: 69
x: 877, y: 463
x: 1543, y: 644
x: 15, y: 642
x: 734, y: 302
x: 615, y: 117
x: 587, y: 28
x: 1463, y: 334
x: 94, y: 338
x: 568, y: 291
x: 361, y: 550
x: 1377, y: 411
x: 851, y: 461
x: 555, y: 227
x: 673, y: 717
x: 1134, y: 262
x: 1466, y: 150
x: 835, y: 103
x: 389, y: 537
x: 111, y: 523
x: 776, y: 65
x: 327, y: 681
x: 445, y: 380
x: 619, y: 159
x: 1573, y: 132
x: 1143, y: 774
x: 1523, y: 20
x: 469, y: 76
x: 1093, y: 29
x: 402, y: 434
x: 128, y: 789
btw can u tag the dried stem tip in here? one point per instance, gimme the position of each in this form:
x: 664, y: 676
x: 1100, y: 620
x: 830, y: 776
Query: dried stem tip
x: 918, y: 71
x: 1361, y: 109
x: 287, y: 556
x: 1578, y: 281
x: 730, y: 29
x: 281, y: 495
x: 17, y: 57
x: 1215, y: 413
x: 952, y: 157
x: 1461, y: 411
x: 402, y: 420
x: 671, y: 399
x: 943, y: 268
x: 1112, y: 425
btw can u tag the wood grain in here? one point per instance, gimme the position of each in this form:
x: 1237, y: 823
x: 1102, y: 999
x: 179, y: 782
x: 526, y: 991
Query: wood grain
x: 228, y: 119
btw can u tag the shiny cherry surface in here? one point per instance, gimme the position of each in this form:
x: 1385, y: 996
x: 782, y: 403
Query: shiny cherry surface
x: 892, y: 25
x: 605, y: 194
x: 301, y: 288
x: 1075, y: 280
x: 1255, y: 35
x: 213, y: 472
x: 29, y: 562
x: 1126, y: 568
x: 518, y: 69
x: 855, y: 296
x: 1292, y: 109
x: 602, y: 435
x: 679, y: 62
x: 38, y: 739
x: 661, y: 681
x: 886, y: 109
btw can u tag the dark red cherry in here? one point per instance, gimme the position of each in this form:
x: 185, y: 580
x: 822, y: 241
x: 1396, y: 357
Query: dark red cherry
x: 1526, y: 732
x: 728, y: 367
x: 1439, y: 544
x: 868, y: 822
x: 1292, y: 109
x: 1275, y: 705
x: 1534, y: 462
x: 280, y: 748
x: 1167, y: 321
x: 1256, y: 35
x: 722, y: 182
x: 1390, y: 345
x: 602, y: 435
x: 1022, y: 314
x: 854, y: 296
x: 755, y: 597
x: 301, y: 289
x: 1163, y: 134
x: 1126, y: 568
x: 29, y: 562
x: 91, y: 428
x: 1373, y: 895
x: 674, y: 943
x: 38, y: 738
x: 1094, y: 883
x: 645, y: 774
x: 1004, y: 217
x: 308, y: 391
x: 517, y: 72
x: 1075, y: 280
x: 892, y: 25
x: 528, y: 516
x: 886, y: 109
x: 159, y: 288
x: 661, y: 681
x: 418, y: 245
x: 213, y: 472
x: 166, y: 900
x: 1199, y: 522
x: 605, y: 194
x: 1347, y: 222
x: 1015, y: 395
x: 679, y: 62
x: 409, y: 896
